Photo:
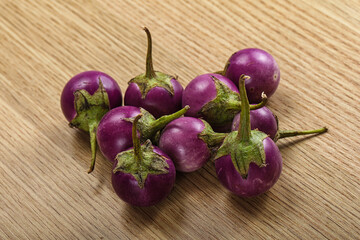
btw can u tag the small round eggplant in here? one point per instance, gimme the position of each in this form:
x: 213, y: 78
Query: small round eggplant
x: 260, y: 66
x: 257, y: 178
x: 203, y: 89
x: 189, y: 142
x: 86, y: 98
x: 157, y: 92
x: 248, y: 163
x: 143, y: 175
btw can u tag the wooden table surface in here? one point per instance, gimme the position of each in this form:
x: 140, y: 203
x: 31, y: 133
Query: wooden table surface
x: 45, y: 190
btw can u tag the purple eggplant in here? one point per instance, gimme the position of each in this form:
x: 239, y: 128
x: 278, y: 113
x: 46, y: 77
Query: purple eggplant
x: 86, y: 98
x: 142, y: 175
x: 157, y: 92
x: 261, y: 119
x: 260, y: 66
x: 114, y: 131
x: 248, y: 163
x: 190, y: 142
x: 265, y: 121
x: 214, y: 98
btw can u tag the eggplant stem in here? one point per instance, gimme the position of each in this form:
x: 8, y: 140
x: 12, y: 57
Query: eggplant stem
x: 136, y: 142
x: 150, y: 73
x: 93, y: 144
x: 161, y: 122
x: 244, y: 131
x: 263, y: 102
x: 292, y: 133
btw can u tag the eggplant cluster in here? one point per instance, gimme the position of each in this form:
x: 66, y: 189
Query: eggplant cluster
x: 164, y: 128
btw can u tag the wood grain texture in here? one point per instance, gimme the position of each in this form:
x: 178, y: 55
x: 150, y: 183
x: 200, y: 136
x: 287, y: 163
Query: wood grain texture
x: 45, y: 190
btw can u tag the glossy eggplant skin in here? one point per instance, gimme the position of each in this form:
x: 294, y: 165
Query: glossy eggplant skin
x: 262, y: 119
x: 258, y: 180
x: 89, y: 81
x: 202, y: 90
x: 114, y: 132
x: 155, y: 189
x: 180, y: 140
x: 260, y: 66
x: 158, y: 101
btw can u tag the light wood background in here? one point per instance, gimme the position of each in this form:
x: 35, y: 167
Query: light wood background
x: 45, y: 190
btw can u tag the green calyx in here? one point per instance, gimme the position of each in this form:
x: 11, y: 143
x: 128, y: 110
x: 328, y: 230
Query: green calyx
x: 152, y: 163
x: 245, y: 145
x: 244, y: 153
x: 89, y: 111
x: 159, y: 80
x: 151, y: 78
x: 223, y: 108
x: 89, y: 108
x: 141, y: 160
x: 227, y: 103
x: 211, y: 138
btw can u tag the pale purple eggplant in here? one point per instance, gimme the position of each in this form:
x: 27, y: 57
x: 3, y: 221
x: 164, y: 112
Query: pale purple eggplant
x: 190, y: 142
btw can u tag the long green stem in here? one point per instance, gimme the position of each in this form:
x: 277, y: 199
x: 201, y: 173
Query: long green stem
x: 291, y: 133
x: 161, y: 122
x: 244, y: 131
x: 93, y: 144
x: 136, y: 141
x: 150, y: 73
